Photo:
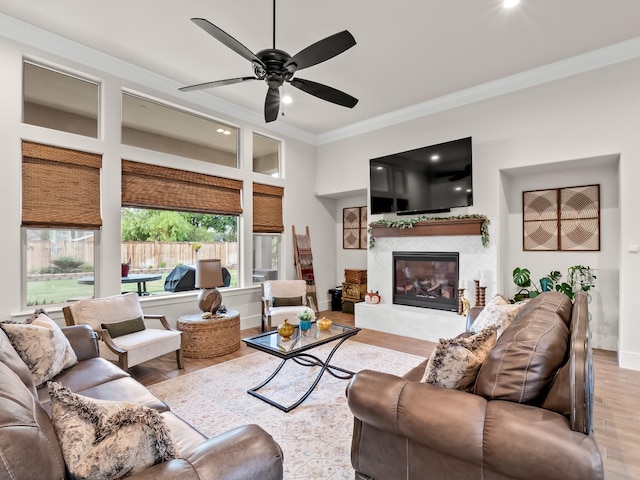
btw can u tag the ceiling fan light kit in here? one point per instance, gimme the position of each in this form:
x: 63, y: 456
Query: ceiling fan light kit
x: 276, y: 67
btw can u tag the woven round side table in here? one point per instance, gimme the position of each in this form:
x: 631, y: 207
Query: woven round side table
x: 212, y: 337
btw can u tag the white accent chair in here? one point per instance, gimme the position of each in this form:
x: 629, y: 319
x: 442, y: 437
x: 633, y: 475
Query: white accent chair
x: 284, y: 292
x: 128, y: 349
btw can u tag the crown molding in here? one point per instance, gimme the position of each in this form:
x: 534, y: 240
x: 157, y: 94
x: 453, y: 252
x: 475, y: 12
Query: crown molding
x: 602, y: 57
x: 53, y: 44
x: 48, y: 42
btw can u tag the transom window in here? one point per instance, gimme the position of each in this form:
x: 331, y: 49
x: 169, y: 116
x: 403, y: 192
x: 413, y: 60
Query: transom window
x: 155, y: 126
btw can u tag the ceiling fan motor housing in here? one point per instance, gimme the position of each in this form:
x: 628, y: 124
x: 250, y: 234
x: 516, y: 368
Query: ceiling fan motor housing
x: 274, y: 61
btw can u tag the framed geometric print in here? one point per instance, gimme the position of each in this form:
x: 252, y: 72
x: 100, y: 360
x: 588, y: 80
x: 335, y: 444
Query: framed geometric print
x: 564, y: 219
x: 354, y: 228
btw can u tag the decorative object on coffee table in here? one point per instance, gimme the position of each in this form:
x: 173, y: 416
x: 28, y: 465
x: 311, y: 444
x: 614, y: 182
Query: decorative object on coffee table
x: 304, y: 320
x: 324, y: 324
x: 212, y: 337
x: 208, y: 278
x: 285, y: 330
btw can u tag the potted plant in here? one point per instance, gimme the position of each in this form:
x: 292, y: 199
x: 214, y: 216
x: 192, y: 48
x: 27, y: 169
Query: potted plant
x: 305, y: 318
x: 579, y: 277
x: 528, y: 289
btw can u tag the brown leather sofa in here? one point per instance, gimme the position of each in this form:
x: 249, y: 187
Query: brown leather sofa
x: 405, y: 429
x: 29, y: 448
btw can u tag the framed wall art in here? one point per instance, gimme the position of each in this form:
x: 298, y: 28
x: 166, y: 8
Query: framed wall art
x: 354, y: 228
x: 565, y: 219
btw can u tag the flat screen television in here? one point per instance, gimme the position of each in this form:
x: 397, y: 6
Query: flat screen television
x: 430, y: 179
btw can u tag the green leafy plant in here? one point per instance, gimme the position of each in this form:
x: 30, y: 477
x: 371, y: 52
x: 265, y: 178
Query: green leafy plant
x: 305, y: 315
x: 579, y: 277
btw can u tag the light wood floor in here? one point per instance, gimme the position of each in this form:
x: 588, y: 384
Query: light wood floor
x: 617, y: 392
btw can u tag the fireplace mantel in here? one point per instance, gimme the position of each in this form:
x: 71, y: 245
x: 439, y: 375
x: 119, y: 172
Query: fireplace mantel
x: 455, y: 226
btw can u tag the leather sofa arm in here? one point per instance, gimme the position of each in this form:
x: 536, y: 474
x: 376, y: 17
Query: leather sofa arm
x: 83, y: 340
x: 449, y: 421
x: 239, y: 454
x: 472, y: 315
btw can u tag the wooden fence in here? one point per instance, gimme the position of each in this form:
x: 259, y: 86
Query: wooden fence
x: 143, y: 255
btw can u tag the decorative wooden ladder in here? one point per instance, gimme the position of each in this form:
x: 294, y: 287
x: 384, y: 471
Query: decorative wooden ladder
x: 304, y: 265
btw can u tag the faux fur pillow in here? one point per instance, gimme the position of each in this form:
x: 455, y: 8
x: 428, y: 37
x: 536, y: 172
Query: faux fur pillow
x: 498, y: 312
x: 106, y: 440
x: 42, y: 346
x: 455, y: 363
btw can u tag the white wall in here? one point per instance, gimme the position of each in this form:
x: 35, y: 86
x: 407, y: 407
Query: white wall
x: 301, y: 207
x: 593, y: 114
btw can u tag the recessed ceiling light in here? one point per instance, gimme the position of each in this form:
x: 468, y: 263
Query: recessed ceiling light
x: 510, y: 3
x: 435, y: 158
x: 468, y: 190
x: 457, y: 189
x: 220, y: 130
x: 226, y: 132
x: 287, y: 100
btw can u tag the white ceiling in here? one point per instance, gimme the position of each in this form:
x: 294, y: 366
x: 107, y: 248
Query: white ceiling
x: 407, y: 53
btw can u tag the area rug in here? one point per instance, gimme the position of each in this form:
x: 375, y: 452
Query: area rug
x: 316, y: 436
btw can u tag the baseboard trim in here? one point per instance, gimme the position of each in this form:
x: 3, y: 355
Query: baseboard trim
x: 630, y: 360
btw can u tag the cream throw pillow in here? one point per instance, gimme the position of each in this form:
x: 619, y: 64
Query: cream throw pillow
x: 498, y: 312
x: 455, y: 362
x: 42, y: 346
x: 106, y: 440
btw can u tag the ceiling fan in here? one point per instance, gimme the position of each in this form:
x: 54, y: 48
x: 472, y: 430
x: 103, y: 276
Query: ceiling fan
x: 276, y: 66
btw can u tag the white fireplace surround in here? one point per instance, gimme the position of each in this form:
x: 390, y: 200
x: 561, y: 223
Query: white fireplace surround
x: 476, y: 263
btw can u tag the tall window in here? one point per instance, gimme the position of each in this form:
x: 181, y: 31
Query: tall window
x: 267, y: 228
x: 168, y: 243
x: 266, y: 155
x: 60, y: 218
x: 154, y: 126
x: 60, y: 101
x: 173, y: 217
x: 266, y: 250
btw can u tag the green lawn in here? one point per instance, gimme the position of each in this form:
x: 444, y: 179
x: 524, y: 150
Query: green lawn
x: 61, y: 291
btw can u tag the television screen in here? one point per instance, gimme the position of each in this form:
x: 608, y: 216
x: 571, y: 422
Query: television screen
x: 430, y: 179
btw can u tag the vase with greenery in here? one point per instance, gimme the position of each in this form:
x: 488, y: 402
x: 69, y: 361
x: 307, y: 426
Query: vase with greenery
x: 304, y: 319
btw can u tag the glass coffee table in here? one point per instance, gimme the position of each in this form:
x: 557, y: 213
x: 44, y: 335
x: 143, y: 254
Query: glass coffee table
x: 297, y: 349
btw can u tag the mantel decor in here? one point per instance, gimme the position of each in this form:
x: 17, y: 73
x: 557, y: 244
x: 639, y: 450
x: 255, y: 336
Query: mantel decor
x: 472, y: 224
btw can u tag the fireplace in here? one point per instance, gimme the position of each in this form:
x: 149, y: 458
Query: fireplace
x: 426, y: 279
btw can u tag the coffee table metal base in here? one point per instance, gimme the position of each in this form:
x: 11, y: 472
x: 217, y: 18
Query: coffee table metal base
x: 306, y: 360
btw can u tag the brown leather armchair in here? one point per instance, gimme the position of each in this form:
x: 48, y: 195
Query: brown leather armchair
x: 405, y: 429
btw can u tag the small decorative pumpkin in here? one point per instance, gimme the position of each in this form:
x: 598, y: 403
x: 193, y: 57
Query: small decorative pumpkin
x: 324, y: 324
x: 285, y: 330
x: 372, y: 297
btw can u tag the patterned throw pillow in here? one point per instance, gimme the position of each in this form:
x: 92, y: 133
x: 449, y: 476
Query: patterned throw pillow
x: 42, y: 346
x: 455, y: 362
x: 498, y: 312
x: 106, y: 440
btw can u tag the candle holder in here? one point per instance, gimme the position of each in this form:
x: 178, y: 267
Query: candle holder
x: 477, y: 284
x: 460, y: 297
x: 482, y: 297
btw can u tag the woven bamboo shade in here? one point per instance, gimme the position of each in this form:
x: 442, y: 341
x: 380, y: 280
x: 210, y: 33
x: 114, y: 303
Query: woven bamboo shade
x: 267, y: 209
x: 60, y: 187
x: 152, y: 186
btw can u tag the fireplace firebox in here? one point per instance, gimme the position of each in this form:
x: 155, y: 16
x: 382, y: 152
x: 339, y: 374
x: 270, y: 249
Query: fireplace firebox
x: 426, y: 279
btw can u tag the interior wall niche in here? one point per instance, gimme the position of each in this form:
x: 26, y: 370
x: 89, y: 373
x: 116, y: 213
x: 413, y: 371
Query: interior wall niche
x: 564, y: 219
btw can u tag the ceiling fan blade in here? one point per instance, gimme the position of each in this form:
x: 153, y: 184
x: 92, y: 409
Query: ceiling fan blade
x: 226, y: 39
x: 325, y: 92
x: 271, y: 104
x: 217, y: 83
x: 321, y: 51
